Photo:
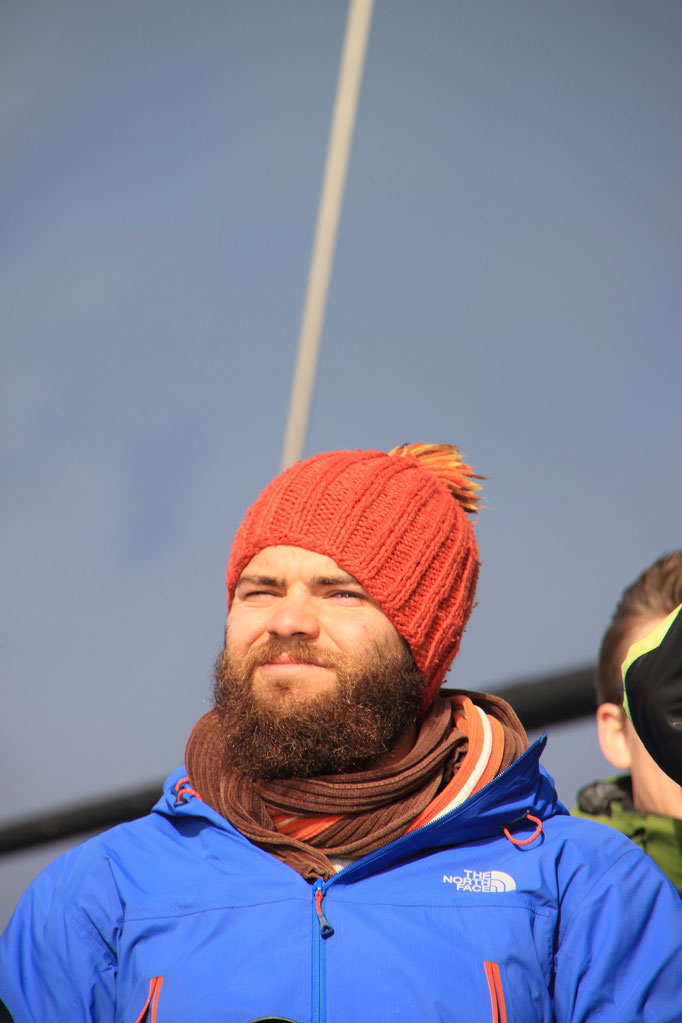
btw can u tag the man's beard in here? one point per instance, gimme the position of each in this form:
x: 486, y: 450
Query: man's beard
x: 375, y: 699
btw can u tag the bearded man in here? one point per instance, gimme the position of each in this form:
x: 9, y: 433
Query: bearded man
x: 345, y: 842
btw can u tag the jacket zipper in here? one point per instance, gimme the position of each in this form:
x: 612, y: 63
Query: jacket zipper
x: 322, y: 930
x: 326, y: 929
x: 499, y: 1010
x: 152, y: 1001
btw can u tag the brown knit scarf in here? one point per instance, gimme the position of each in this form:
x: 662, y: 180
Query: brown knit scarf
x: 368, y: 809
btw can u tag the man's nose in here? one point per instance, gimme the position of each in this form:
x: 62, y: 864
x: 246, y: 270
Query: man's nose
x: 294, y: 615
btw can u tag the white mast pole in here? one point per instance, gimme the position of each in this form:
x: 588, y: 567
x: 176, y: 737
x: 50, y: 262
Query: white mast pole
x: 331, y: 199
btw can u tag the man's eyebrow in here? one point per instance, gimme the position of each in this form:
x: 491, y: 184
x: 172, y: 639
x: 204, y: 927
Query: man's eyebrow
x: 339, y: 579
x: 342, y: 579
x: 260, y: 580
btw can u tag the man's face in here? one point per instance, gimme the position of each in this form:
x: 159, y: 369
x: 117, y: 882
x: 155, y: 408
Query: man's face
x: 314, y: 678
x: 291, y: 596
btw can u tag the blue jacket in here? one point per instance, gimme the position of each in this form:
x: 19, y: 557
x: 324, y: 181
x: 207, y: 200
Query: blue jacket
x: 180, y: 913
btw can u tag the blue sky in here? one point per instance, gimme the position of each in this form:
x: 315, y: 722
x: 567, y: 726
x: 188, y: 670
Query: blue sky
x: 507, y: 278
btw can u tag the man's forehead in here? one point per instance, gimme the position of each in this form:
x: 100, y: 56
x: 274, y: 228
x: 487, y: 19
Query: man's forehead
x: 285, y: 559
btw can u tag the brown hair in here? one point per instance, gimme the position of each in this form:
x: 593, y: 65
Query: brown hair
x: 652, y: 596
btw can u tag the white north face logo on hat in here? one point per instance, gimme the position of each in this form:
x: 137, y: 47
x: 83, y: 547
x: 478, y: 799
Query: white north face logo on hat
x: 481, y: 881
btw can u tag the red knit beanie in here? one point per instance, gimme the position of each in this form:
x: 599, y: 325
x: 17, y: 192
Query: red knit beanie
x: 397, y: 522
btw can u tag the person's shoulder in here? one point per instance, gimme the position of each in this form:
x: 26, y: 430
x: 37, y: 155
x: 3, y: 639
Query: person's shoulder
x: 88, y: 865
x: 585, y: 832
x: 591, y: 855
x: 137, y: 839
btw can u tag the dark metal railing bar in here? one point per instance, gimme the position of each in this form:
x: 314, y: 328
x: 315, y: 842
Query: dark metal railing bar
x: 540, y: 703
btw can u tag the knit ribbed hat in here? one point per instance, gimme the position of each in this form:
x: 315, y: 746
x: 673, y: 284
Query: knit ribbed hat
x: 397, y: 522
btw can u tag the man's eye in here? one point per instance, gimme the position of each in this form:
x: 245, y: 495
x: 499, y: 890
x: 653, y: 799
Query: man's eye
x: 347, y: 594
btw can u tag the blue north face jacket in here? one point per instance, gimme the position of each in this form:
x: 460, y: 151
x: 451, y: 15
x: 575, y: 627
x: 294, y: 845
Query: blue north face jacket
x: 178, y: 918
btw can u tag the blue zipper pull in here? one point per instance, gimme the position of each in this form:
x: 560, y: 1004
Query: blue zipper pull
x: 326, y: 929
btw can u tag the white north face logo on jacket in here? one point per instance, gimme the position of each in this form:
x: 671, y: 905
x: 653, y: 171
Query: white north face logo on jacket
x: 481, y: 881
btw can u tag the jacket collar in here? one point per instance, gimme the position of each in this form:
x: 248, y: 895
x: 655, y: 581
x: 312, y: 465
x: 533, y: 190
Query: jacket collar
x: 525, y: 787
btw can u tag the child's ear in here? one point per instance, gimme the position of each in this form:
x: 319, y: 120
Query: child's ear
x: 612, y: 739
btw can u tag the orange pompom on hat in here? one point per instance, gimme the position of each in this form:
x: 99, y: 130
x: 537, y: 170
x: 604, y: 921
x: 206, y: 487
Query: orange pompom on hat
x: 397, y: 522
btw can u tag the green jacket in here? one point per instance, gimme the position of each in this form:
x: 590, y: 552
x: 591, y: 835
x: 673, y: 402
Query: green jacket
x: 610, y: 802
